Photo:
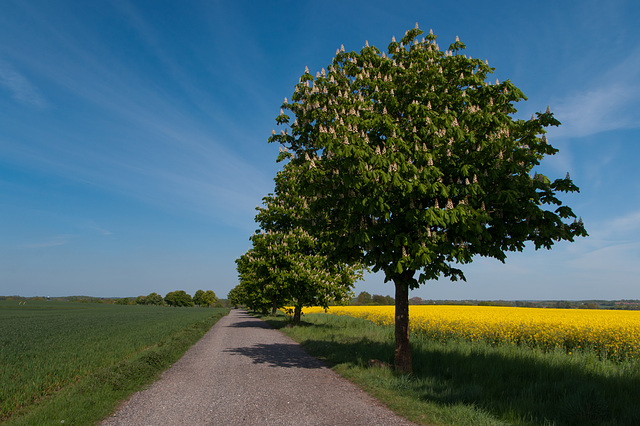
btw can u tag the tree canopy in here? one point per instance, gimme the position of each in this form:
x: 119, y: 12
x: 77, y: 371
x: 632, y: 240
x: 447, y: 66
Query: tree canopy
x: 412, y: 163
x: 178, y: 298
x: 205, y: 298
x: 286, y: 265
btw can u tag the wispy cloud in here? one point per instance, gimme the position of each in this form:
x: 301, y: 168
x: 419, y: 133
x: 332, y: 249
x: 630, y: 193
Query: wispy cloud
x: 610, y: 103
x: 157, y: 152
x: 22, y: 90
x: 54, y: 241
x: 612, y: 247
x: 99, y: 229
x: 616, y: 231
x: 624, y: 224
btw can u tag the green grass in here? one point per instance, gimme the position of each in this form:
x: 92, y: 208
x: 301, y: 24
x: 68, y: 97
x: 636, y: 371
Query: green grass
x: 75, y: 362
x: 466, y: 383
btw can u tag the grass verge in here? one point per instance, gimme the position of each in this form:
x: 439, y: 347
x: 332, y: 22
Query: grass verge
x: 93, y: 397
x: 465, y: 383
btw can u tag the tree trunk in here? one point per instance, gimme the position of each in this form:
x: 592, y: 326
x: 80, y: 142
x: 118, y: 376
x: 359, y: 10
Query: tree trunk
x: 274, y: 308
x: 296, y: 315
x: 403, y: 345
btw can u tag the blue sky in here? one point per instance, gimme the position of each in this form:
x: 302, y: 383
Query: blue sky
x: 133, y: 134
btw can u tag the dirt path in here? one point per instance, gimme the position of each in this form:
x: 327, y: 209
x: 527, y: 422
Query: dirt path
x: 243, y: 372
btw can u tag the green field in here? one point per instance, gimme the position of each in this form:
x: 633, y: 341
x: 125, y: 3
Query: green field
x: 53, y: 352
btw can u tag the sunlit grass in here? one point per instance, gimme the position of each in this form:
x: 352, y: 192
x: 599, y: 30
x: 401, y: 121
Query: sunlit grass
x: 48, y: 347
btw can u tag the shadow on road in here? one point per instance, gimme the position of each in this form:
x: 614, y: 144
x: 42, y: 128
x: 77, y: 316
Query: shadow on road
x: 278, y: 355
x: 252, y: 323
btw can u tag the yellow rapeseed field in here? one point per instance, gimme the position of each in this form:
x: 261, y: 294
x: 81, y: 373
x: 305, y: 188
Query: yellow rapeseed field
x: 611, y: 334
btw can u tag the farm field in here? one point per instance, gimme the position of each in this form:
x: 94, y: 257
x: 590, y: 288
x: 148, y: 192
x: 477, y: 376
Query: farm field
x: 48, y: 348
x: 613, y: 335
x: 475, y: 379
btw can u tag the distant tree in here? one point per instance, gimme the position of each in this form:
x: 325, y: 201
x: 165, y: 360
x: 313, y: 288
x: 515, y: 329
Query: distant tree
x: 378, y: 299
x: 364, y: 298
x: 257, y: 288
x: 123, y: 301
x: 588, y: 305
x: 210, y: 298
x: 283, y: 268
x: 154, y: 299
x: 141, y: 300
x: 415, y: 301
x: 288, y: 266
x: 562, y: 304
x: 178, y: 298
x: 197, y: 298
x: 413, y: 164
x: 237, y: 296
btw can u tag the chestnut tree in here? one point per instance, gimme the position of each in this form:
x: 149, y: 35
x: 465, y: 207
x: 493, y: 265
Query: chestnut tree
x: 412, y: 163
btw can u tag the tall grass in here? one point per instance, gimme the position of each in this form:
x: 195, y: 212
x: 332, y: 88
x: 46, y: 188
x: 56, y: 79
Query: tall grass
x: 50, y: 351
x: 476, y: 383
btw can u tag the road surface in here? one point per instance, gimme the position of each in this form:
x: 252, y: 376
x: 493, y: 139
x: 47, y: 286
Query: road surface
x: 242, y: 372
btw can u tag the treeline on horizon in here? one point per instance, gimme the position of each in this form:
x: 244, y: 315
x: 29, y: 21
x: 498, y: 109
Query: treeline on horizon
x: 177, y: 298
x: 366, y: 299
x: 363, y: 299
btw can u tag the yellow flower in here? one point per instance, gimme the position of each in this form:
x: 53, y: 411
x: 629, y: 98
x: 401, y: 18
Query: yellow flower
x: 610, y: 334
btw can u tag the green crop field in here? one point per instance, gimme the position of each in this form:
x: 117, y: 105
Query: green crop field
x: 47, y: 346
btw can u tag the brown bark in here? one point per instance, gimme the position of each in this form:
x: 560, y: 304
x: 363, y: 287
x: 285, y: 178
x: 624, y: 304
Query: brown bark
x: 297, y: 312
x: 403, y: 345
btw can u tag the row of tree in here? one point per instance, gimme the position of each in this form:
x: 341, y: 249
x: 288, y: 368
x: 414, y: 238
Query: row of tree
x: 408, y: 162
x: 174, y: 298
x: 287, y: 266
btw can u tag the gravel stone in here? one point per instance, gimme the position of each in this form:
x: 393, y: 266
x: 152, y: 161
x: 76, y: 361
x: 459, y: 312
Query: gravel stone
x: 242, y: 372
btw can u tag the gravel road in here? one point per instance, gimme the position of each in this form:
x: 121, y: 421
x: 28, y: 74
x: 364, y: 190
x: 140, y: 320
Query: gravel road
x: 242, y: 372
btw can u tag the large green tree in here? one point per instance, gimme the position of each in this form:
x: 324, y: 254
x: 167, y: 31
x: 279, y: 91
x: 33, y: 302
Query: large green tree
x: 411, y: 162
